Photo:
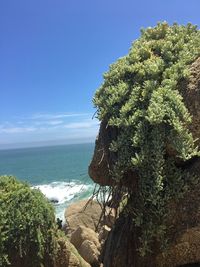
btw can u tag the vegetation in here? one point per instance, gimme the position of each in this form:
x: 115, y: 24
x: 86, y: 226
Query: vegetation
x: 27, y: 225
x: 141, y: 97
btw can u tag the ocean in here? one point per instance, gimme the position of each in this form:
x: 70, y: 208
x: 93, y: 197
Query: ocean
x: 60, y: 172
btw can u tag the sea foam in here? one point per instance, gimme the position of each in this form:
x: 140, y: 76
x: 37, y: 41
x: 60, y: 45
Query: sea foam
x: 64, y: 193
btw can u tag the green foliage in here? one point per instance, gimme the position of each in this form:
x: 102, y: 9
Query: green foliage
x: 141, y: 97
x: 27, y: 225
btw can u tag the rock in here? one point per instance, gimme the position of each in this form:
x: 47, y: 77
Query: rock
x: 103, y: 233
x: 109, y: 217
x: 83, y: 233
x: 187, y: 249
x: 90, y: 253
x: 86, y: 242
x: 184, y: 220
x: 63, y: 254
x: 67, y: 255
x: 102, y: 157
x: 78, y: 215
x: 53, y: 200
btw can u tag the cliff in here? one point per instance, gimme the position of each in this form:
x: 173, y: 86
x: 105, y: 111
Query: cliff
x: 179, y: 211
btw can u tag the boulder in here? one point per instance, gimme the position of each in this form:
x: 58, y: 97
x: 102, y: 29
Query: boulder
x: 86, y: 242
x: 103, y: 158
x: 90, y: 253
x: 83, y: 233
x: 186, y: 249
x: 67, y: 255
x: 63, y: 253
x: 78, y: 214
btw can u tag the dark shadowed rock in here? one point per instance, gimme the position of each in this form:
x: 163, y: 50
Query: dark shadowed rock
x: 102, y: 159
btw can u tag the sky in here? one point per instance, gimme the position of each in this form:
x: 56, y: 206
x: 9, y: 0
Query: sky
x: 53, y: 54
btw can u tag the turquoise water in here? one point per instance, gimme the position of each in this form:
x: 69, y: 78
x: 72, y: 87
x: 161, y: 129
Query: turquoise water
x: 60, y: 172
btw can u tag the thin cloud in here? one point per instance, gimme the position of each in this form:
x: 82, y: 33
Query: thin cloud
x: 40, y: 127
x: 50, y: 122
x: 48, y: 116
x: 14, y: 130
x: 58, y: 122
x: 81, y: 125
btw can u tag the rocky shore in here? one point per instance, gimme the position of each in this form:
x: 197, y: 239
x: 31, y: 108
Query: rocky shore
x: 86, y: 231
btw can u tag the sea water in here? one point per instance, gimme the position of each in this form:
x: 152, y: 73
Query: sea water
x: 60, y: 172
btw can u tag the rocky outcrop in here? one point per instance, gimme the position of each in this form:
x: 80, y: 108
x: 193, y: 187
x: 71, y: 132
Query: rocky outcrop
x: 82, y: 213
x: 86, y: 242
x: 184, y: 221
x: 90, y: 253
x: 82, y: 218
x: 67, y: 255
x: 186, y: 249
x: 83, y: 233
x: 103, y: 159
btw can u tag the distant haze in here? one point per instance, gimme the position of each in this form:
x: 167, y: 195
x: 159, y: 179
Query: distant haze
x: 47, y: 143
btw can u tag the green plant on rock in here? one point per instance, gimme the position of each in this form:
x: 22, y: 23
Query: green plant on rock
x: 27, y: 226
x: 141, y: 97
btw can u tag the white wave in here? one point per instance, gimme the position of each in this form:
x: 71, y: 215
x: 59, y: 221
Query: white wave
x: 62, y: 192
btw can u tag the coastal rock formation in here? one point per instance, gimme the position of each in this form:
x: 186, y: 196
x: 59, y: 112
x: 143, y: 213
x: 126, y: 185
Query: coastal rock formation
x: 102, y: 158
x: 184, y: 221
x: 89, y: 251
x: 67, y: 255
x: 82, y: 213
x: 83, y: 233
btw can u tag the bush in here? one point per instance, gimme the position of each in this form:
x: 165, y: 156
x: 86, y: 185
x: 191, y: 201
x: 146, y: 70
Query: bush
x: 27, y: 226
x: 141, y: 97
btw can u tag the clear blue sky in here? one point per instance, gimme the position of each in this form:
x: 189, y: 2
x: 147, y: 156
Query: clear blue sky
x: 53, y: 54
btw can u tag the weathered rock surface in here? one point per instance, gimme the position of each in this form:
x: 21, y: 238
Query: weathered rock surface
x: 67, y: 255
x: 89, y: 251
x: 184, y: 223
x: 186, y: 249
x: 102, y: 159
x: 83, y: 233
x: 86, y: 242
x: 78, y: 214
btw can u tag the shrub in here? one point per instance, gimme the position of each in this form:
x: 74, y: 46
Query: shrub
x: 141, y: 97
x: 27, y: 226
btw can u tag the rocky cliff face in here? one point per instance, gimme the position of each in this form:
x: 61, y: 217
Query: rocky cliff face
x: 184, y: 220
